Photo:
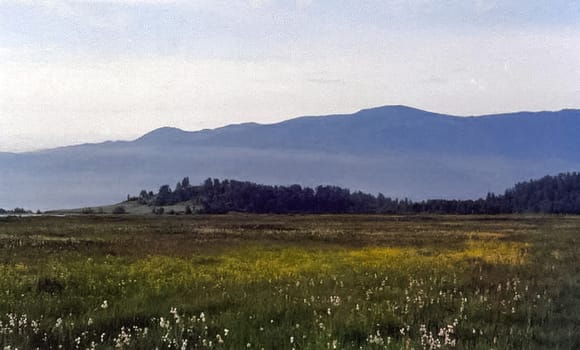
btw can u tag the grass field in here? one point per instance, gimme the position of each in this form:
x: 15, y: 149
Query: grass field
x: 290, y: 282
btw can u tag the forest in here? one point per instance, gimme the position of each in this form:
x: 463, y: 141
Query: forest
x: 558, y: 194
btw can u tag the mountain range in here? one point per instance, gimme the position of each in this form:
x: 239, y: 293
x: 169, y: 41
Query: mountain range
x: 396, y: 150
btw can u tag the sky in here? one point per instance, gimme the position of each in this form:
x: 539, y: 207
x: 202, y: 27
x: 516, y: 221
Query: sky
x: 75, y: 71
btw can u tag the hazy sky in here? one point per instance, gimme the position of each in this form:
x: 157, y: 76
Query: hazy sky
x: 79, y: 70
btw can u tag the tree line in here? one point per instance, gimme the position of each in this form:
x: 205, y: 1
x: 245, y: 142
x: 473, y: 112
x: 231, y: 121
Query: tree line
x: 550, y: 194
x: 15, y: 211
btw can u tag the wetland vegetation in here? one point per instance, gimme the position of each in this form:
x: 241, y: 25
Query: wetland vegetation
x: 290, y: 282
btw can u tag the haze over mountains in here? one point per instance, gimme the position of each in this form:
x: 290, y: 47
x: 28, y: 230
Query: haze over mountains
x: 396, y: 150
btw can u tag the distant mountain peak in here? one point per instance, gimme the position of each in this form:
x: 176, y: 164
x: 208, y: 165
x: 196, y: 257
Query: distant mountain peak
x: 400, y: 113
x: 393, y: 108
x: 165, y: 132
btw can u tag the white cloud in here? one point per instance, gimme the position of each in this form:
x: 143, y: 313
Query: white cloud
x: 483, y: 6
x: 258, y: 3
x: 302, y: 4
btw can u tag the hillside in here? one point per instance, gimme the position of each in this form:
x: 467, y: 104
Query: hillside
x: 396, y: 150
x: 558, y: 194
x: 390, y: 129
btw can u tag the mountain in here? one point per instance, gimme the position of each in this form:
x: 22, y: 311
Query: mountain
x: 397, y: 150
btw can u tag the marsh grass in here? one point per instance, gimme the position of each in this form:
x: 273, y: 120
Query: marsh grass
x: 290, y: 282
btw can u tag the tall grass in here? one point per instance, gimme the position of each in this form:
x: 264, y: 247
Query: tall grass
x: 290, y: 282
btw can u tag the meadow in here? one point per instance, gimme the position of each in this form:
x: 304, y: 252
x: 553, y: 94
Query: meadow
x: 290, y: 282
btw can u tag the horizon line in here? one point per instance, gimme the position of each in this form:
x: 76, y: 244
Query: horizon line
x: 105, y: 141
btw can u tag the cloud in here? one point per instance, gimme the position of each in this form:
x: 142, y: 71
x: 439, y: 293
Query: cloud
x: 326, y: 81
x: 258, y: 3
x: 483, y: 6
x: 73, y: 10
x: 302, y: 4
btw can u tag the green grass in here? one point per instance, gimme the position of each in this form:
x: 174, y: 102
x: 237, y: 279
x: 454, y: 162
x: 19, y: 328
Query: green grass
x: 290, y: 282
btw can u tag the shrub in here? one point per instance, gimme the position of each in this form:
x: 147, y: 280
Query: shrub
x: 87, y: 211
x: 119, y: 210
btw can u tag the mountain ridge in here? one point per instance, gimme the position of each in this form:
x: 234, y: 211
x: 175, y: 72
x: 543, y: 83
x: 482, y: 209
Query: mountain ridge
x: 361, y: 112
x: 325, y: 132
x: 397, y: 150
